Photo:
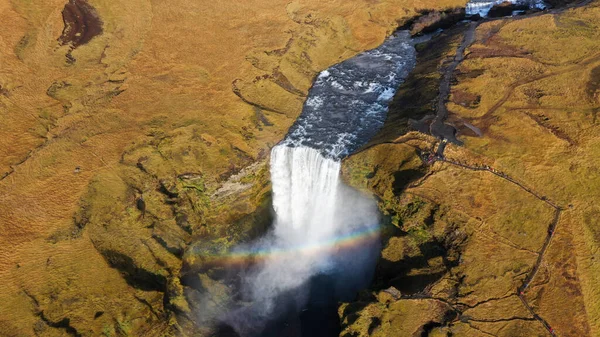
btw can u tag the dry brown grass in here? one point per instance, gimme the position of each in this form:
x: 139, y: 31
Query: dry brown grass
x: 155, y: 87
x: 537, y: 80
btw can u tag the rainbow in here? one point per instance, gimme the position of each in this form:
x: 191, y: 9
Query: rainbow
x: 337, y: 244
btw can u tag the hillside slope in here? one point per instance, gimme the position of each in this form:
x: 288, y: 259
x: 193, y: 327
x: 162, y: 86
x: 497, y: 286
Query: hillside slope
x: 498, y: 237
x: 125, y: 129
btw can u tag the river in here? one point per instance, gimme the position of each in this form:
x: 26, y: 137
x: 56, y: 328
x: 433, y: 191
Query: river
x: 324, y: 244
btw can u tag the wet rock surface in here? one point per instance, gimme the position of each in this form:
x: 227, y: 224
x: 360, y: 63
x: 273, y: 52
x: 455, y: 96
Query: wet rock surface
x: 82, y: 23
x: 414, y: 106
x: 506, y: 9
x: 430, y: 22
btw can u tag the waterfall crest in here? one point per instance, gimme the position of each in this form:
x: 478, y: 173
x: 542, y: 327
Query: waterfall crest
x: 325, y: 242
x: 305, y: 185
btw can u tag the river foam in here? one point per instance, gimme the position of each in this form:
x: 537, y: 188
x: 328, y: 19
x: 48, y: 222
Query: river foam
x: 313, y: 209
x: 483, y: 7
x: 323, y: 230
x: 348, y: 102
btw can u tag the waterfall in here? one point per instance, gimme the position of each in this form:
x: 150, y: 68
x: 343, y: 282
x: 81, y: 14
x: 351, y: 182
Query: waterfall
x: 305, y: 185
x: 319, y: 223
x: 325, y: 234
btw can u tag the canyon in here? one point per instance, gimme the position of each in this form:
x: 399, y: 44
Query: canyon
x: 136, y: 143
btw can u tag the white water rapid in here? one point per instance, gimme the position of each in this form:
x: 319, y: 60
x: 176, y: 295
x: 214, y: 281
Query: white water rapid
x: 305, y: 187
x: 318, y: 223
x: 324, y: 243
x: 483, y: 7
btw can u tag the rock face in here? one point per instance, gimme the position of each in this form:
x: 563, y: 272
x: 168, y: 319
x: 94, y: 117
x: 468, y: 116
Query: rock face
x: 434, y: 20
x: 494, y: 237
x: 506, y: 9
x: 106, y: 103
x: 82, y: 23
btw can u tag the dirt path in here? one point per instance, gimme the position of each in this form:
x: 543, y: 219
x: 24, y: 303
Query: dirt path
x: 444, y: 131
x: 468, y: 39
x: 511, y: 88
x: 438, y: 128
x: 442, y: 114
x: 520, y: 292
x: 447, y: 133
x: 576, y: 64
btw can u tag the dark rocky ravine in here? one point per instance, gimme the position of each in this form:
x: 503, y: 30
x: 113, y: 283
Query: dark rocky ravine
x: 414, y: 277
x: 337, y: 133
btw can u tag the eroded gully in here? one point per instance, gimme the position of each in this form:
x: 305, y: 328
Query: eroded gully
x: 441, y: 131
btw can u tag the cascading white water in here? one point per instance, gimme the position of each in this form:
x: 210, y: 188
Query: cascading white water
x: 312, y: 208
x: 323, y: 228
x: 305, y: 185
x: 483, y: 7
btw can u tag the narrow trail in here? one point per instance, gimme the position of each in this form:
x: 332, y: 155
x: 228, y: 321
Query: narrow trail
x: 577, y: 64
x: 445, y: 84
x: 520, y: 291
x: 29, y: 155
x: 519, y: 83
x: 447, y: 133
x: 437, y: 127
x: 440, y: 130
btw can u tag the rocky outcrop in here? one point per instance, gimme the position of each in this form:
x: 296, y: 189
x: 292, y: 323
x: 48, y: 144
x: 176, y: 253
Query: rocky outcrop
x: 82, y: 23
x: 432, y: 21
x: 506, y: 8
x: 470, y: 230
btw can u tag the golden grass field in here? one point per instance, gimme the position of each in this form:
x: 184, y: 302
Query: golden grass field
x: 169, y: 101
x: 179, y: 102
x: 531, y: 86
